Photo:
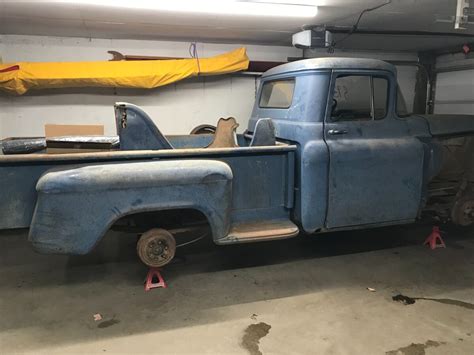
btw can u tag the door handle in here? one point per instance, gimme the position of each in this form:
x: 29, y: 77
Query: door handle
x: 335, y: 132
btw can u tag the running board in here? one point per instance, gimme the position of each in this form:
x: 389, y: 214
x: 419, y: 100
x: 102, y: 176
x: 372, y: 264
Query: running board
x: 260, y: 231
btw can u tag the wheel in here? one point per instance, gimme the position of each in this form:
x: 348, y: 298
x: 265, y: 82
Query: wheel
x: 204, y: 129
x: 462, y: 213
x: 156, y: 247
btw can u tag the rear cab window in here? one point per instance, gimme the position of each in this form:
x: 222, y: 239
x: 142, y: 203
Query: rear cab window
x: 277, y: 93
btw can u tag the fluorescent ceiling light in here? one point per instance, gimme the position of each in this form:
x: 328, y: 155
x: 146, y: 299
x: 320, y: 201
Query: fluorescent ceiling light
x: 263, y: 8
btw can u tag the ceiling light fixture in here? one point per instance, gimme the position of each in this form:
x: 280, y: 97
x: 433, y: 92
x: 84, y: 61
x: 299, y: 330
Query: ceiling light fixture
x: 262, y: 8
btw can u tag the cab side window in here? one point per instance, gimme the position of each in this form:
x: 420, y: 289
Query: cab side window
x: 359, y: 98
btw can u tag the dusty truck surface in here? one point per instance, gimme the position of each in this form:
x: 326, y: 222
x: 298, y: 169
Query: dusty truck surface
x: 329, y: 146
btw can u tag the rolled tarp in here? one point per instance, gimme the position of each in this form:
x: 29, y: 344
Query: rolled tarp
x: 18, y: 78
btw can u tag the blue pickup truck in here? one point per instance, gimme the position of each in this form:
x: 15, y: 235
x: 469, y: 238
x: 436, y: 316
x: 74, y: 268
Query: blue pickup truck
x: 329, y: 146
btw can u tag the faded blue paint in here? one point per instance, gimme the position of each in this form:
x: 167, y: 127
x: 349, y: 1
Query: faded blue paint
x: 261, y: 183
x: 136, y: 130
x: 77, y: 205
x: 444, y: 125
x: 376, y: 174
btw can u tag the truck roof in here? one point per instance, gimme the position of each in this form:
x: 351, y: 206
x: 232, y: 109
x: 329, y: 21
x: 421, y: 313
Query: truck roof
x: 331, y: 63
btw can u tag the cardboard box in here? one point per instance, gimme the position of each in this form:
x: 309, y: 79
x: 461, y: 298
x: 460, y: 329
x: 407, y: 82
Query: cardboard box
x: 60, y: 130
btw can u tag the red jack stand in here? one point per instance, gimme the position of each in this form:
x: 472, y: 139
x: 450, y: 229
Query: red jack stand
x: 433, y: 238
x: 154, y: 273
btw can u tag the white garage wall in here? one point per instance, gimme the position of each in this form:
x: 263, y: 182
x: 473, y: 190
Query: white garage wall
x: 454, y: 90
x: 176, y: 109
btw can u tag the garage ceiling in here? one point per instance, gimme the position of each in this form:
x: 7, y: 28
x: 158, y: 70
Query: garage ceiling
x: 58, y: 18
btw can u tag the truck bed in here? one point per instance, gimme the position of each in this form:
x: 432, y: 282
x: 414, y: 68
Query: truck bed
x: 263, y: 177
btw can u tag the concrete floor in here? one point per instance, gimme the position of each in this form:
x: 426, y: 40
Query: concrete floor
x: 301, y: 296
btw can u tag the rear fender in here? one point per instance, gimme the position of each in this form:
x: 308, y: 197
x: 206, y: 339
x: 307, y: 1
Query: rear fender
x: 76, y: 206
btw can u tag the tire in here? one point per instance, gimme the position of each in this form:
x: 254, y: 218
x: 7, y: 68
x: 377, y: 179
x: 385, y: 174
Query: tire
x: 156, y: 247
x: 462, y: 213
x: 204, y: 129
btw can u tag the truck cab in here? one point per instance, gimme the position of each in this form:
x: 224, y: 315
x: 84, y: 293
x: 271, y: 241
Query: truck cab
x: 361, y: 160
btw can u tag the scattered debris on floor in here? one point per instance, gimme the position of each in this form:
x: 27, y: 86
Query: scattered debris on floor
x: 97, y: 317
x: 416, y: 349
x: 254, y: 316
x: 371, y: 289
x: 108, y: 323
x: 403, y: 299
x: 253, y: 334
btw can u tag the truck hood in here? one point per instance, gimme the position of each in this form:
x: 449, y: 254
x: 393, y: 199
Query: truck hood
x: 450, y: 125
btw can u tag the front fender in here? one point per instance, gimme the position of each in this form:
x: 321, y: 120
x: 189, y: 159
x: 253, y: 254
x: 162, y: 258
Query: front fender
x: 77, y: 205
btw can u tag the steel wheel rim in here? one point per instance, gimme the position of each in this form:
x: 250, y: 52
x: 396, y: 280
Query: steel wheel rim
x: 156, y: 247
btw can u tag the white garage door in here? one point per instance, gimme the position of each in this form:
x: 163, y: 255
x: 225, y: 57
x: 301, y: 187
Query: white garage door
x: 455, y: 92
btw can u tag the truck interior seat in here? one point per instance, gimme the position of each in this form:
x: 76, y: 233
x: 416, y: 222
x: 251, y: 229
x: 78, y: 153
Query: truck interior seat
x: 225, y: 136
x: 264, y: 133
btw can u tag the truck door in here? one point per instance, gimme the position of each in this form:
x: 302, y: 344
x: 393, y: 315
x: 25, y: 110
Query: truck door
x: 376, y: 167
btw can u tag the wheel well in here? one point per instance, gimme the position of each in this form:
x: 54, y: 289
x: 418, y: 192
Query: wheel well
x: 173, y: 219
